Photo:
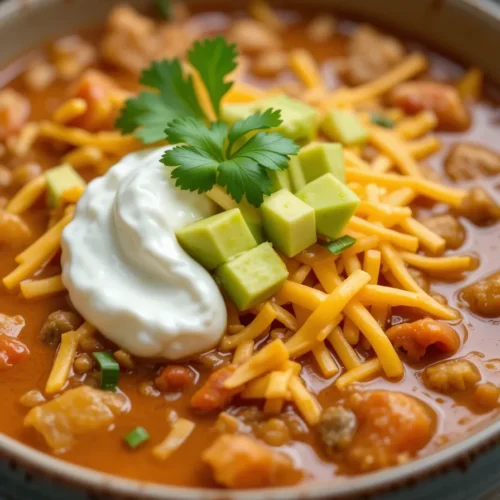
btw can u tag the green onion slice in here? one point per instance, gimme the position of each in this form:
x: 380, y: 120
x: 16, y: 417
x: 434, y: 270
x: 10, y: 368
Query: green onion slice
x: 136, y: 437
x: 339, y: 245
x: 110, y: 370
x: 382, y: 120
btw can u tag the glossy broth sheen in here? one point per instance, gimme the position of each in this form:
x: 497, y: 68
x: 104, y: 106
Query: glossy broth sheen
x: 107, y: 452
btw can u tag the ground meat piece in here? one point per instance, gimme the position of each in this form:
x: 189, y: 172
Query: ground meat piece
x: 253, y: 37
x: 451, y: 376
x: 483, y: 296
x: 269, y: 64
x: 56, y: 324
x: 239, y: 461
x: 212, y: 395
x: 11, y: 325
x: 13, y: 230
x: 14, y: 112
x: 468, y: 161
x: 274, y: 432
x: 76, y: 412
x: 392, y: 427
x: 415, y: 338
x: 448, y: 227
x: 12, y: 352
x: 174, y: 378
x: 336, y: 428
x: 441, y: 98
x: 479, y: 207
x: 370, y: 54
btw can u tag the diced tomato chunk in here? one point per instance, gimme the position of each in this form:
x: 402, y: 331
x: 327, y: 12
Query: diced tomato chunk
x: 12, y: 352
x: 212, y: 395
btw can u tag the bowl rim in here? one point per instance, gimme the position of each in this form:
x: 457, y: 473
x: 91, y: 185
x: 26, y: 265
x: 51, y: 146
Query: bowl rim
x: 53, y: 468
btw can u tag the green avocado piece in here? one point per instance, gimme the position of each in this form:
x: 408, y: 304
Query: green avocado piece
x: 299, y: 121
x: 333, y: 202
x: 59, y: 180
x: 319, y: 158
x: 214, y: 240
x: 345, y: 127
x: 253, y: 276
x: 289, y: 223
x: 297, y: 178
x: 280, y: 180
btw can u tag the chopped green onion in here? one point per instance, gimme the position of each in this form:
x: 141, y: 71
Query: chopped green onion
x: 339, y: 245
x: 110, y: 370
x: 165, y: 8
x: 382, y: 120
x: 136, y: 437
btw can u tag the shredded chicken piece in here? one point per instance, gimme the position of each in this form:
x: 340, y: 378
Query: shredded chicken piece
x: 483, y: 296
x: 468, y: 161
x: 370, y: 54
x: 239, y: 461
x: 76, y: 412
x: 452, y: 375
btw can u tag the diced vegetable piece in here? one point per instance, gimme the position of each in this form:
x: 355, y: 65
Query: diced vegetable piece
x: 59, y: 180
x: 280, y: 180
x: 334, y: 204
x: 74, y: 413
x: 250, y: 213
x: 110, y: 370
x: 345, y: 127
x: 216, y: 239
x: 299, y: 121
x: 340, y: 244
x: 382, y: 120
x: 136, y: 437
x: 297, y: 178
x: 289, y: 223
x: 318, y: 159
x: 12, y: 352
x: 253, y: 277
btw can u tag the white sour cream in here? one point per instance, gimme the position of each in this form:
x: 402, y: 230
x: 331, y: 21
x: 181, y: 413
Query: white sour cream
x: 124, y: 270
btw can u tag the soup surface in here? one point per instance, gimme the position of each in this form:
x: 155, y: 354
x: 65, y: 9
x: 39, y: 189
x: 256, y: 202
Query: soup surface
x: 423, y: 123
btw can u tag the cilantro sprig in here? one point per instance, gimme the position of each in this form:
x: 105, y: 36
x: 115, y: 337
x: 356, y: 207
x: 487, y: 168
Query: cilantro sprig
x: 205, y: 159
x: 238, y: 158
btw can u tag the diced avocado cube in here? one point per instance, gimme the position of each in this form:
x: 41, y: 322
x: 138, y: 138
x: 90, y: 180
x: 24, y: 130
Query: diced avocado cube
x: 296, y: 174
x: 59, y: 180
x: 299, y: 121
x: 333, y: 202
x: 253, y: 276
x: 289, y: 223
x: 345, y: 127
x: 280, y: 180
x: 214, y: 240
x: 319, y: 158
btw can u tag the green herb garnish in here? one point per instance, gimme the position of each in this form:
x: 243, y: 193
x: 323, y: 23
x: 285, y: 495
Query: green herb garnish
x: 208, y: 153
x: 136, y: 437
x: 164, y: 7
x: 340, y: 244
x: 382, y: 120
x: 110, y: 370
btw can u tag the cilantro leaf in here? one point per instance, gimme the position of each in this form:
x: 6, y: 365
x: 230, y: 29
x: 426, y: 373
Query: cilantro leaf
x: 196, y: 134
x: 148, y: 113
x: 195, y: 170
x: 164, y: 7
x: 258, y: 121
x: 243, y: 176
x: 214, y: 59
x: 270, y: 150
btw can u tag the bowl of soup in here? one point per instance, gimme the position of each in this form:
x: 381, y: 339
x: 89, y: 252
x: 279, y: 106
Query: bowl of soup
x: 248, y: 249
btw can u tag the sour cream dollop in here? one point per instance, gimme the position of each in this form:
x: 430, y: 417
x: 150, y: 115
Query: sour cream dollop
x: 124, y: 270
